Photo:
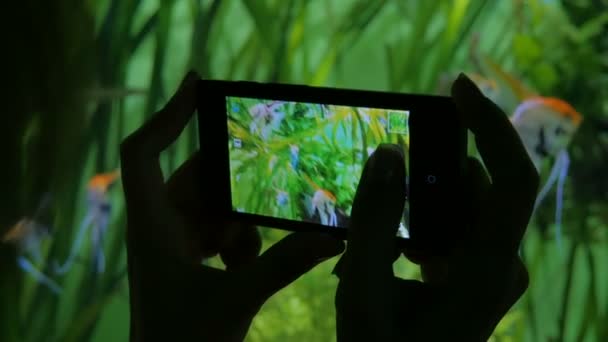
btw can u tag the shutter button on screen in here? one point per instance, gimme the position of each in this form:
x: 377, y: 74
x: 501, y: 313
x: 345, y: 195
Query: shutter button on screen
x: 431, y: 179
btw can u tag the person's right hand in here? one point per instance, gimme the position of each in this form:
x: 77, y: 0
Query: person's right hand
x: 463, y: 296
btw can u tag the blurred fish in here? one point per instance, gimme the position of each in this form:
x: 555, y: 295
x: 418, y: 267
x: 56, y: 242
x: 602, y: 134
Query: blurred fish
x: 265, y: 118
x: 323, y: 203
x: 97, y: 218
x: 27, y: 234
x: 546, y: 126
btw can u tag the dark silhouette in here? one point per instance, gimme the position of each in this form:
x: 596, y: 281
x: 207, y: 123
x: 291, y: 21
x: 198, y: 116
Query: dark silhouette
x: 462, y: 298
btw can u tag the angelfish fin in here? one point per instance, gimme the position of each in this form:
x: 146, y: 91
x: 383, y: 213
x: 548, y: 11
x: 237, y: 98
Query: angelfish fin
x: 40, y: 277
x: 548, y: 184
x: 564, y: 161
x: 63, y: 268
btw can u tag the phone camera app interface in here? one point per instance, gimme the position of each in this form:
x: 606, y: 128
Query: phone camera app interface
x: 302, y: 161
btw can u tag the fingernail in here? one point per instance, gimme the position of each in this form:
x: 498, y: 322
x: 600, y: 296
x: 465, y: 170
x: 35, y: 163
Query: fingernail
x: 463, y: 82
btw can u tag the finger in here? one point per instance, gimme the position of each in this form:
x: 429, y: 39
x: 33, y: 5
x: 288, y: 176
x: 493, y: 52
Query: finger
x: 187, y: 191
x: 497, y: 140
x: 376, y: 212
x: 184, y: 185
x: 514, y: 177
x: 186, y: 197
x: 478, y: 183
x: 242, y: 249
x: 208, y: 233
x: 286, y: 261
x: 366, y: 270
x: 141, y: 172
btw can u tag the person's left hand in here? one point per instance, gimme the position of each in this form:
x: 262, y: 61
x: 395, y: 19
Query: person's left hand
x: 173, y: 296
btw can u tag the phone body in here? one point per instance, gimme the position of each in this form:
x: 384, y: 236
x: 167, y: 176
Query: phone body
x: 290, y: 156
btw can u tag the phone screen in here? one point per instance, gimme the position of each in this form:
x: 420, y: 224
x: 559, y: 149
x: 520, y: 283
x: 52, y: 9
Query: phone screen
x: 303, y: 161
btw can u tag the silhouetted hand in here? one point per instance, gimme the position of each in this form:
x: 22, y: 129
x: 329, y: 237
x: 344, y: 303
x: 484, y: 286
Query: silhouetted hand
x: 462, y: 296
x: 173, y: 296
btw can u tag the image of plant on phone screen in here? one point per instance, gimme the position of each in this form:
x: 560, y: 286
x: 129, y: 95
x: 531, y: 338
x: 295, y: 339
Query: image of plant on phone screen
x: 302, y: 161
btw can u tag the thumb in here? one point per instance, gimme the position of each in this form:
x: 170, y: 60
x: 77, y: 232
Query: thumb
x: 287, y: 260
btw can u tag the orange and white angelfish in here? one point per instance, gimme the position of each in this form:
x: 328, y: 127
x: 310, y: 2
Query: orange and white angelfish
x: 323, y: 202
x: 546, y: 126
x: 96, y: 218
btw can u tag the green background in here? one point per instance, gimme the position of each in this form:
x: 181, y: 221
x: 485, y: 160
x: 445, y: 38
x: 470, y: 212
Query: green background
x: 84, y: 74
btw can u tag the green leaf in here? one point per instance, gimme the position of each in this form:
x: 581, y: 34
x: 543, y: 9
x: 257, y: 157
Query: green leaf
x: 526, y: 49
x: 264, y: 19
x: 85, y: 319
x: 545, y: 75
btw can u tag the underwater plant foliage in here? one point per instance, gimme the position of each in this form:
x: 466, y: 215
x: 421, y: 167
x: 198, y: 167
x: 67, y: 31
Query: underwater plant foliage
x: 85, y: 91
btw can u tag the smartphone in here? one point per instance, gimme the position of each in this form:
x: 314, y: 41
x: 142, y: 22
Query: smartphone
x: 290, y: 156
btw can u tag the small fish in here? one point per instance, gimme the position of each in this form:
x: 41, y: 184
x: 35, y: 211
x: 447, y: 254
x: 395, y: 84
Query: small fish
x: 97, y: 218
x: 27, y: 234
x: 101, y: 182
x: 323, y: 203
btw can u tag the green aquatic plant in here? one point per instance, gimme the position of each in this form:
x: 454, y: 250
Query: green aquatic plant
x: 105, y: 78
